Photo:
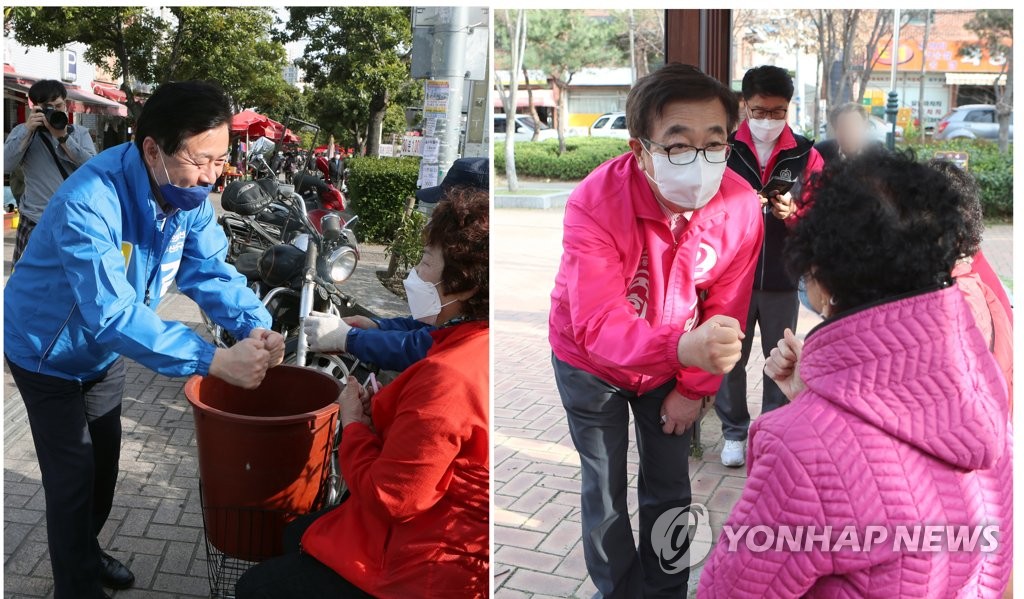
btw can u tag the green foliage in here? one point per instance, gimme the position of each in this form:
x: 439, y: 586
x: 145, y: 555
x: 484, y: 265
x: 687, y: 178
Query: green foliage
x: 563, y: 42
x: 128, y: 35
x: 406, y: 248
x: 369, y: 74
x: 379, y: 189
x: 991, y: 169
x: 230, y: 45
x: 582, y: 155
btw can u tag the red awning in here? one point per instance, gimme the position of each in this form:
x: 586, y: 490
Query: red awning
x: 80, y: 100
x: 111, y: 92
x: 541, y: 97
x: 244, y: 121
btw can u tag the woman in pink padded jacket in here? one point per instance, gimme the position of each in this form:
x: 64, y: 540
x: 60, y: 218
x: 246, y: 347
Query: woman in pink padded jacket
x: 895, y: 454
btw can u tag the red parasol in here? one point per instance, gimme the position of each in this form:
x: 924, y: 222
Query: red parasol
x: 244, y: 121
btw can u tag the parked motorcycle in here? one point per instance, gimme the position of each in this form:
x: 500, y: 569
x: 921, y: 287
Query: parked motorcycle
x: 301, y: 274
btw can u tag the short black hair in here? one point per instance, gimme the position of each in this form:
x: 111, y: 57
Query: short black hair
x: 881, y: 225
x: 846, y: 107
x: 46, y: 90
x: 671, y: 83
x: 970, y: 204
x: 182, y: 109
x: 767, y: 80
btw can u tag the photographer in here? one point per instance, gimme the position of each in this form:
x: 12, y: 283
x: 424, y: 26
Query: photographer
x: 61, y: 148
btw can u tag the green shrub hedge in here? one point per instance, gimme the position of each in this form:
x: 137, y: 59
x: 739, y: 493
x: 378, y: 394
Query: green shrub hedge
x: 378, y: 189
x: 541, y: 159
x: 993, y: 172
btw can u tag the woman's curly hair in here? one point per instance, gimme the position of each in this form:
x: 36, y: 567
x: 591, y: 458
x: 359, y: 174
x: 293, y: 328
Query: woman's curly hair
x: 882, y: 224
x: 970, y: 204
x: 459, y: 226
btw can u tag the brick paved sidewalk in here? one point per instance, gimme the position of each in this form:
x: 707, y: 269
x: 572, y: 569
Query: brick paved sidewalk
x: 538, y: 552
x: 155, y: 526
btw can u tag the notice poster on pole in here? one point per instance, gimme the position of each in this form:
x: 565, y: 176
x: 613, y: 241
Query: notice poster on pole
x: 429, y: 126
x: 431, y: 149
x: 435, y: 98
x: 428, y: 175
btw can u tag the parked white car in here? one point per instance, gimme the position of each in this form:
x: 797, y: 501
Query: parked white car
x: 524, y: 129
x: 611, y: 124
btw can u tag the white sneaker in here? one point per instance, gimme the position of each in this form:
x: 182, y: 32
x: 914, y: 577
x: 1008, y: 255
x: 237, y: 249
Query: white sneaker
x: 734, y: 454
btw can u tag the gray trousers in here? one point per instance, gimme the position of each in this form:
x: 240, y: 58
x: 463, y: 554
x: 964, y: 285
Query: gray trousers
x: 598, y: 415
x: 773, y: 311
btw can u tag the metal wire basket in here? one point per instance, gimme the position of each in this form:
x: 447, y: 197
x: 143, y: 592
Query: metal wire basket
x: 256, y: 535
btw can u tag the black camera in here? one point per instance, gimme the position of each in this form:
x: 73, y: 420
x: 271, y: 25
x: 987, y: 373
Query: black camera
x: 58, y: 119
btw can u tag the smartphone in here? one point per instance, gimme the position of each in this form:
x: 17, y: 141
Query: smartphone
x: 777, y: 186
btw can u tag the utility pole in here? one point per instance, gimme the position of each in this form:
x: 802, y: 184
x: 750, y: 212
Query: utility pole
x: 892, y: 107
x: 924, y: 68
x: 453, y: 36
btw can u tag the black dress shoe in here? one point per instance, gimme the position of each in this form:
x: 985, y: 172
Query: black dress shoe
x: 114, y: 574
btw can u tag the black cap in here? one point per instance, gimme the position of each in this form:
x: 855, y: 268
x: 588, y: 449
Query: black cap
x: 471, y: 172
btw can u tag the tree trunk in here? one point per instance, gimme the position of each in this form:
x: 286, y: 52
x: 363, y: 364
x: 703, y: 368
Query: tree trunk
x: 378, y: 108
x: 1004, y: 107
x: 563, y: 113
x: 533, y: 107
x: 517, y: 39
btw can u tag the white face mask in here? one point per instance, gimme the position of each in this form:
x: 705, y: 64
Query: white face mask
x: 424, y: 300
x: 690, y: 186
x: 766, y: 130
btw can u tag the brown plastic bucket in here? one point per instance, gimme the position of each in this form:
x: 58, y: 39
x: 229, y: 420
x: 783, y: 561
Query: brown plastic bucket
x: 263, y: 455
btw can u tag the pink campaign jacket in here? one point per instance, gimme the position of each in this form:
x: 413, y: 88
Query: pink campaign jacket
x: 626, y: 291
x: 903, y: 423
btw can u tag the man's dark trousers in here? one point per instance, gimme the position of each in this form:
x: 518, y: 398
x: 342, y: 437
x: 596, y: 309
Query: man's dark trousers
x: 76, y: 428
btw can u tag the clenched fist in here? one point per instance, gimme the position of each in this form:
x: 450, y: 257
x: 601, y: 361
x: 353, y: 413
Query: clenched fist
x: 783, y: 365
x: 714, y: 346
x: 242, y: 365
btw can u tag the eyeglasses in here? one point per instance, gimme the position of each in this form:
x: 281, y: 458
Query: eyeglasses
x: 776, y: 115
x: 683, y: 154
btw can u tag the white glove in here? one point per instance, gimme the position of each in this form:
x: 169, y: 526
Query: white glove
x: 325, y: 333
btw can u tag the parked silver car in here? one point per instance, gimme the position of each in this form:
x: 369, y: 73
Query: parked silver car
x: 971, y: 121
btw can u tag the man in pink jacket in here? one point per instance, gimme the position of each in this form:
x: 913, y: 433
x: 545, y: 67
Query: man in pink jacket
x: 660, y: 246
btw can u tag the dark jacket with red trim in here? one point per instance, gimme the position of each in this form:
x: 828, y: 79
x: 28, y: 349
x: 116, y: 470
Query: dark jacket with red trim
x: 794, y: 157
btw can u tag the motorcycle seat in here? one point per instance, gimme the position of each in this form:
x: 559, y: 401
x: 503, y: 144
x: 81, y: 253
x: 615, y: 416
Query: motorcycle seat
x: 247, y: 265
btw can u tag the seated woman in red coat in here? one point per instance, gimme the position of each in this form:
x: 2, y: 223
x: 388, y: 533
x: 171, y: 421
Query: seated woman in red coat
x: 415, y: 455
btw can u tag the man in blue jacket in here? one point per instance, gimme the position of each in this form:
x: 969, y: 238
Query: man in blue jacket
x: 114, y: 237
x: 394, y: 343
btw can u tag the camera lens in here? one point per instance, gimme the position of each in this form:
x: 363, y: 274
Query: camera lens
x: 56, y: 118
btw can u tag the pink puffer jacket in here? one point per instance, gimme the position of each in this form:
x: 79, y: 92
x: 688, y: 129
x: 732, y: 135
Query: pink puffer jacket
x: 903, y: 423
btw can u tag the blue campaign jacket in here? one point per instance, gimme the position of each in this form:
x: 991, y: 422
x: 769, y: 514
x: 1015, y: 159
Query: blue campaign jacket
x: 396, y: 345
x: 77, y: 297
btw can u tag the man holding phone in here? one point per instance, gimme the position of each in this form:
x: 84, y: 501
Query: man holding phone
x: 777, y: 162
